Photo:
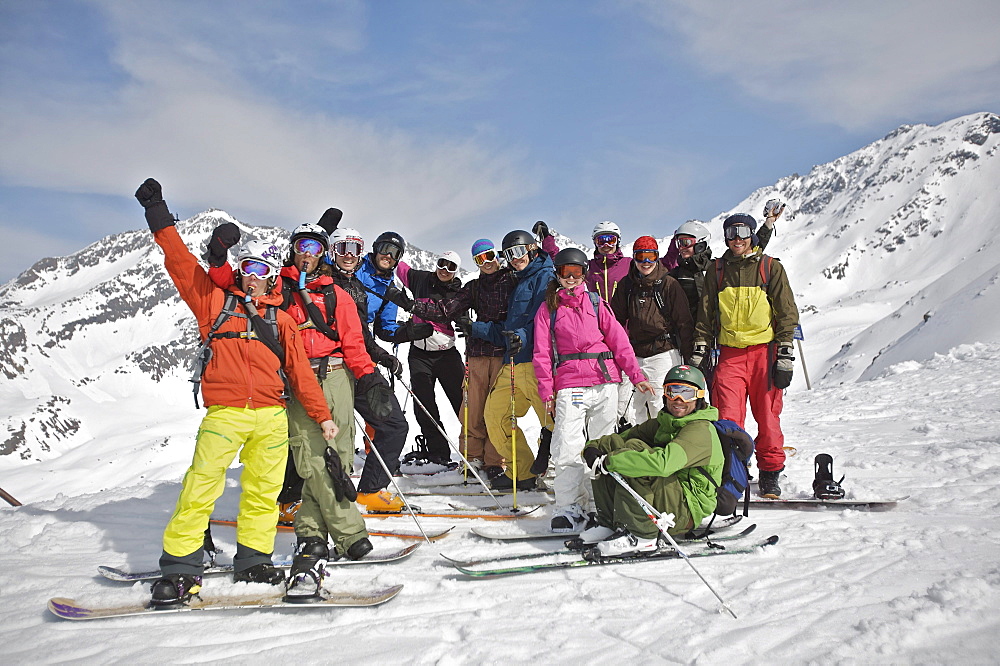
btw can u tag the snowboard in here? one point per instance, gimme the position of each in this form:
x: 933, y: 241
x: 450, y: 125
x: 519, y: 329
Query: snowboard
x: 432, y: 535
x: 808, y: 502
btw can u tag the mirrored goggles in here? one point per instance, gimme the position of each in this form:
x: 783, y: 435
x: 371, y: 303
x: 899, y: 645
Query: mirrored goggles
x: 256, y: 268
x: 685, y: 241
x: 515, y: 252
x: 570, y: 271
x: 684, y: 392
x: 449, y: 266
x: 485, y: 257
x: 309, y: 246
x: 606, y: 239
x: 738, y: 231
x: 389, y: 250
x: 646, y: 256
x: 345, y: 248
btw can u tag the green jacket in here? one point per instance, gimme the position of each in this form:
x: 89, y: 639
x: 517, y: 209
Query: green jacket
x: 678, y: 446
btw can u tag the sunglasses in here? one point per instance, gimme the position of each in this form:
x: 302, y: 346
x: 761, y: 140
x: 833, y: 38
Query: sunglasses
x: 449, y: 266
x: 485, y: 257
x: 345, y: 248
x: 309, y: 246
x: 606, y: 239
x: 567, y: 271
x: 256, y: 268
x: 389, y: 250
x: 515, y: 252
x: 646, y: 256
x: 685, y: 241
x: 684, y: 392
x: 738, y: 231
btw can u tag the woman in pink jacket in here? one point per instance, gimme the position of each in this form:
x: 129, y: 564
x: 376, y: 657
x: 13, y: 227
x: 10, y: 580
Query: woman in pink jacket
x: 580, y: 354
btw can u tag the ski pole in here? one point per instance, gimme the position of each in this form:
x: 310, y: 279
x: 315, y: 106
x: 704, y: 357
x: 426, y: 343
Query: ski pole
x: 406, y: 502
x: 655, y: 515
x: 7, y: 497
x: 513, y: 431
x: 465, y: 420
x: 455, y: 448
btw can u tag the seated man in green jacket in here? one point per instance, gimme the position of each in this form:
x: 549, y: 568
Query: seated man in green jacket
x: 660, y: 460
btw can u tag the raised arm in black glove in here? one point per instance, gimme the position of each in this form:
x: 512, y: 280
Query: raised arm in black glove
x: 150, y: 195
x: 224, y: 237
x: 541, y: 230
x: 331, y: 219
x: 376, y: 390
x: 394, y: 294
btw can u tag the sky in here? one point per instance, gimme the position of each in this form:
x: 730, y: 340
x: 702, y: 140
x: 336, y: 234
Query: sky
x: 451, y: 121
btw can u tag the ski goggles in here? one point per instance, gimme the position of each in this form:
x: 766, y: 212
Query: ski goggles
x: 389, y: 250
x: 256, y: 268
x: 685, y: 241
x: 515, y: 252
x: 684, y: 392
x: 450, y: 266
x: 345, y: 248
x: 485, y: 257
x: 309, y: 246
x: 646, y: 256
x: 738, y: 231
x: 606, y: 239
x: 567, y: 271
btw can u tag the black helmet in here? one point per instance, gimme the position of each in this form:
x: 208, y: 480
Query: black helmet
x: 519, y: 237
x: 384, y: 243
x: 571, y: 255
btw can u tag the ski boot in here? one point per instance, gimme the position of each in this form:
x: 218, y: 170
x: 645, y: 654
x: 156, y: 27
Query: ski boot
x: 382, y: 501
x: 570, y: 519
x: 824, y: 487
x: 260, y: 573
x: 622, y: 544
x: 174, y: 590
x: 308, y: 571
x: 767, y: 485
x: 592, y: 534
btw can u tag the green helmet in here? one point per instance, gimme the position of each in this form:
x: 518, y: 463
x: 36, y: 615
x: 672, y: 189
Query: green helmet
x: 687, y: 374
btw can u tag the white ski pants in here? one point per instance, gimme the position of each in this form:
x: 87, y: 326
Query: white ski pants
x: 644, y: 405
x: 582, y: 414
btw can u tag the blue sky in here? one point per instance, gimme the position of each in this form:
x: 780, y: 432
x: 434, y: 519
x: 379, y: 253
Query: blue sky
x: 447, y: 121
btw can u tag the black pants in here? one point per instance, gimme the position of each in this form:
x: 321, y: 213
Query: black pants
x: 447, y: 368
x: 389, y: 440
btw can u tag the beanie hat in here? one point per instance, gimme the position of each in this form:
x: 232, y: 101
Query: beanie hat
x: 482, y: 245
x: 645, y: 243
x: 743, y: 218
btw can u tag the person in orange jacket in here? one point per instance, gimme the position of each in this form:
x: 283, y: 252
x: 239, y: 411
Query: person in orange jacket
x: 246, y: 357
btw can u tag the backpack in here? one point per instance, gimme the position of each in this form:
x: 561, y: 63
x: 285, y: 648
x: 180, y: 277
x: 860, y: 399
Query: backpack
x: 558, y: 358
x: 737, y: 447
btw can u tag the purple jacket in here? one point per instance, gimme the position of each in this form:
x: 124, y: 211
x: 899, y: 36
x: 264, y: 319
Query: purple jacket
x: 605, y: 271
x: 579, y: 331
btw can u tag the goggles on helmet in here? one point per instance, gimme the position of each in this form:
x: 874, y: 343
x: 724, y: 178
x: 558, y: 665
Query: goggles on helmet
x: 685, y: 241
x: 389, y: 250
x: 606, y: 239
x: 684, y: 392
x: 570, y: 271
x: 256, y: 268
x: 515, y: 252
x: 309, y: 246
x: 645, y: 256
x: 738, y: 231
x: 348, y: 247
x: 449, y: 266
x: 485, y: 257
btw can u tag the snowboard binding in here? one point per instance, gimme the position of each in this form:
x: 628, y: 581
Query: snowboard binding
x: 824, y: 487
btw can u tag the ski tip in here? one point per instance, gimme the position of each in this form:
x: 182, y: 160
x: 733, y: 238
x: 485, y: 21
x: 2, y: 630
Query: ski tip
x: 112, y: 573
x: 771, y: 540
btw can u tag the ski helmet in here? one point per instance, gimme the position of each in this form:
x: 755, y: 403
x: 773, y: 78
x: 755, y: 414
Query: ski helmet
x: 571, y: 255
x: 346, y: 234
x: 695, y: 229
x: 263, y: 251
x: 686, y: 374
x: 312, y: 231
x: 450, y: 256
x: 606, y: 227
x: 386, y: 239
x: 519, y: 237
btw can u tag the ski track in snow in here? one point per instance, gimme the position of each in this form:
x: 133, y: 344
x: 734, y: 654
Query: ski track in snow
x: 920, y: 583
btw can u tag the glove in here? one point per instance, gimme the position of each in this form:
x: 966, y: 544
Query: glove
x: 395, y: 295
x: 699, y: 355
x: 781, y: 376
x: 464, y: 326
x: 150, y: 196
x: 541, y: 230
x: 773, y: 208
x: 377, y: 392
x: 513, y: 342
x: 224, y: 237
x: 331, y: 219
x: 411, y: 331
x: 595, y: 460
x: 544, y: 453
x: 392, y: 364
x: 343, y: 487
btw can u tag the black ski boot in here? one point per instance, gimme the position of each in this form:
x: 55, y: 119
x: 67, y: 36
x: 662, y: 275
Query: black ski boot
x: 359, y: 549
x: 308, y: 570
x: 174, y: 590
x: 824, y: 487
x: 544, y: 453
x: 260, y: 573
x: 767, y: 485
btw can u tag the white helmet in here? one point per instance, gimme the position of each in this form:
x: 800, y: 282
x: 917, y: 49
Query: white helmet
x: 261, y: 251
x: 606, y: 227
x: 452, y: 257
x: 696, y: 229
x: 346, y: 234
x: 311, y: 230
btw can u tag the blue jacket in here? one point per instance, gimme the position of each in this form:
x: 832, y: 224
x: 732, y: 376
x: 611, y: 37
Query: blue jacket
x: 371, y: 278
x: 525, y: 300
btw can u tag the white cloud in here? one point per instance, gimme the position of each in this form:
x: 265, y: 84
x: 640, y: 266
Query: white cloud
x: 854, y: 63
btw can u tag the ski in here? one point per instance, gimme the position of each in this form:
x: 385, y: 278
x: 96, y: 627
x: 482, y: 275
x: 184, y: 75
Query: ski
x: 395, y: 534
x: 462, y: 513
x: 516, y: 534
x: 803, y: 502
x: 122, y: 576
x: 69, y: 609
x: 528, y: 556
x: 635, y: 559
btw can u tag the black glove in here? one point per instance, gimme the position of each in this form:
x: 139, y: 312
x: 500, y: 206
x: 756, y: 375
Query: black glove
x: 544, y: 453
x: 376, y: 390
x: 392, y: 364
x: 331, y: 219
x: 700, y: 350
x: 150, y: 195
x: 224, y: 237
x: 343, y: 487
x: 411, y: 331
x: 395, y: 295
x: 464, y: 326
x: 514, y: 343
x: 781, y: 375
x: 541, y: 230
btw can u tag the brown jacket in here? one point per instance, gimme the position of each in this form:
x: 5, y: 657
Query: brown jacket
x: 654, y: 311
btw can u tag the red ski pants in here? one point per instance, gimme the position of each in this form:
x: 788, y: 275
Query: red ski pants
x: 746, y: 373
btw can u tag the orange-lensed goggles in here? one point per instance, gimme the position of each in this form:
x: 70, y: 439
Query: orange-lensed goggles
x: 485, y: 257
x: 684, y: 392
x: 571, y: 271
x: 646, y: 256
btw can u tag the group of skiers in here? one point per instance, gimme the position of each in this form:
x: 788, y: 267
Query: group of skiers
x: 611, y: 352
